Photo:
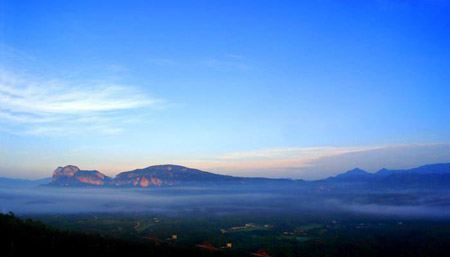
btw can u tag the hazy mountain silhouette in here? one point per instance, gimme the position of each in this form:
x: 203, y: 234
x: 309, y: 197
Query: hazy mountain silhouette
x: 430, y: 176
x: 434, y: 175
x: 23, y: 182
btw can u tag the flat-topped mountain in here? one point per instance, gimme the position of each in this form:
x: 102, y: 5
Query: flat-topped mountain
x: 71, y: 175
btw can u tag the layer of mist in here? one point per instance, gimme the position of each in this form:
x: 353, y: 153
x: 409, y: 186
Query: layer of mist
x: 224, y: 201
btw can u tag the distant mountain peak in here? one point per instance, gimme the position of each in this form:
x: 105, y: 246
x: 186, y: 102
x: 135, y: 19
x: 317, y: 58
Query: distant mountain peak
x: 356, y: 171
x: 383, y: 172
x: 353, y: 174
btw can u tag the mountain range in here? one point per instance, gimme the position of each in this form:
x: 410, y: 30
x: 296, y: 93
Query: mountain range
x: 427, y: 176
x: 153, y: 176
x: 432, y: 175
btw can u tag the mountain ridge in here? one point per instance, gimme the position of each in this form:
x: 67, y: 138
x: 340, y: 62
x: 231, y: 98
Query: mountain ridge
x: 5, y: 181
x: 151, y: 176
x: 177, y: 175
x: 429, y: 175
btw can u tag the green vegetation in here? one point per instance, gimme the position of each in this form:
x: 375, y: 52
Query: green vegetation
x: 280, y: 236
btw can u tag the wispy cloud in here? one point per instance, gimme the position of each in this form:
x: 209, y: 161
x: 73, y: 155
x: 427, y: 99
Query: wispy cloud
x: 319, y: 162
x: 274, y: 159
x: 308, y: 153
x: 49, y: 106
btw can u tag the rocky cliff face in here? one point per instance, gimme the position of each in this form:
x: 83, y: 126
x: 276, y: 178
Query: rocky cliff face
x: 65, y: 172
x: 166, y: 175
x: 153, y: 176
x: 133, y: 180
x: 71, y: 175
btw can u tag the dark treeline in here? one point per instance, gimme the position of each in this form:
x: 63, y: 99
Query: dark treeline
x: 32, y: 238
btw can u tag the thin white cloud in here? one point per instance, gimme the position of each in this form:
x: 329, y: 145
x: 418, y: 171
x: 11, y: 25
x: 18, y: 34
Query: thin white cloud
x: 289, y: 153
x: 47, y: 106
x: 320, y: 162
x: 274, y: 159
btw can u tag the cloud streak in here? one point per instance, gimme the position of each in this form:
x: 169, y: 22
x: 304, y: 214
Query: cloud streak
x: 49, y: 106
x: 320, y: 162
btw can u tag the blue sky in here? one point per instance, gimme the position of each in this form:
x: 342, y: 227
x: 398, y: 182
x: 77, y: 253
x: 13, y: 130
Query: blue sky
x: 261, y: 88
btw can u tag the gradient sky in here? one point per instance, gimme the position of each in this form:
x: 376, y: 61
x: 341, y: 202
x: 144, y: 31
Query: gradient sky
x: 301, y: 89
